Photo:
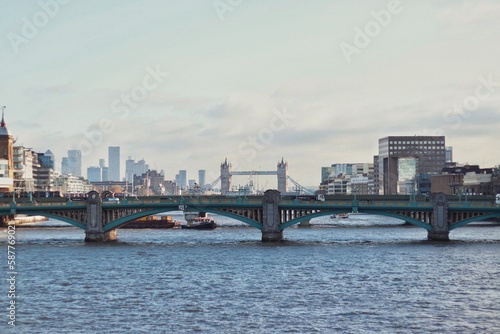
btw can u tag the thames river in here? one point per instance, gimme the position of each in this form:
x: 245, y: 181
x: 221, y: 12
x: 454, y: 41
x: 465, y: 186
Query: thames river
x: 365, y: 274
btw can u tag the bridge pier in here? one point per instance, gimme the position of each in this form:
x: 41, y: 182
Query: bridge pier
x: 439, y: 221
x: 94, y: 230
x: 101, y: 236
x: 271, y: 217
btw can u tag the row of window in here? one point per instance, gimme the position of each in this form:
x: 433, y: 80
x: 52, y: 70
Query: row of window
x: 417, y: 142
x: 440, y: 148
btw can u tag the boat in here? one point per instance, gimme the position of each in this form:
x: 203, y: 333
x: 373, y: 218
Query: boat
x: 201, y: 223
x: 340, y: 216
x: 154, y: 221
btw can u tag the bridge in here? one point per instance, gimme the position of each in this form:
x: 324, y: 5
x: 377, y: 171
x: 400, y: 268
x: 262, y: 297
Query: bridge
x: 226, y: 174
x: 270, y: 213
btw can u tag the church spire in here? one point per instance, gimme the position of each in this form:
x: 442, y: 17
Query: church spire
x: 2, y: 123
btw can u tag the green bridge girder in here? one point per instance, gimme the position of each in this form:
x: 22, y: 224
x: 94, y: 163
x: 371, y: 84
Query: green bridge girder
x: 473, y: 220
x: 217, y: 205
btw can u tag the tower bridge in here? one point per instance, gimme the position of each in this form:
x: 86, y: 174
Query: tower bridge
x: 226, y: 174
x: 270, y: 213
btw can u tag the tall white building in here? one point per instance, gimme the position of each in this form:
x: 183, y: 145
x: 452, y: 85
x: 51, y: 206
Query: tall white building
x: 26, y: 162
x: 71, y: 184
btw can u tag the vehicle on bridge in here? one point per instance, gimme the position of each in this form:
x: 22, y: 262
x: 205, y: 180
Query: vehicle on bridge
x: 318, y: 197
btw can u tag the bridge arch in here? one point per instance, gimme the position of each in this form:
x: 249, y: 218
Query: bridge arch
x: 242, y: 219
x: 473, y: 219
x: 124, y: 220
x: 54, y: 216
x: 307, y: 217
x: 410, y: 220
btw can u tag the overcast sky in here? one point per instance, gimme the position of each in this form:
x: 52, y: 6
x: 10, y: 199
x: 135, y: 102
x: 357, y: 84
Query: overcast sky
x: 185, y: 84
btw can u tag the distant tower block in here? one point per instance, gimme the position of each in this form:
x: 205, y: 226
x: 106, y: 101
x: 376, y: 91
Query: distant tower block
x: 225, y: 177
x: 282, y: 176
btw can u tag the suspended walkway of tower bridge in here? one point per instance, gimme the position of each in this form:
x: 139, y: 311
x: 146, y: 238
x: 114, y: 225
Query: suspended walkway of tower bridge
x: 271, y: 213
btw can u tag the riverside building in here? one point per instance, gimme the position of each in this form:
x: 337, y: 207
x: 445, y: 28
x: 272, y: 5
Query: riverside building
x: 6, y: 158
x: 347, y: 178
x: 406, y: 163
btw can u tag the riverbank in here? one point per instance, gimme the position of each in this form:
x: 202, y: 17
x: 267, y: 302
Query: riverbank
x: 23, y: 219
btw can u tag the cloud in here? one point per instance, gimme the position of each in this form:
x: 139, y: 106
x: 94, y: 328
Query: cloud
x: 470, y: 13
x: 49, y: 91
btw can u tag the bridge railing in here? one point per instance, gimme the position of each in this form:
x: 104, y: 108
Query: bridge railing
x: 394, y: 204
x: 473, y: 205
x: 40, y: 204
x: 359, y: 203
x: 186, y: 200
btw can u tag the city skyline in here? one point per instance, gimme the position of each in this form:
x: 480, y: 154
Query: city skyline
x: 186, y: 85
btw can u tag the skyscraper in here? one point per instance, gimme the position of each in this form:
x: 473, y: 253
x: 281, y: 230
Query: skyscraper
x: 65, y: 166
x: 134, y: 168
x: 201, y: 177
x: 114, y: 163
x: 75, y: 162
x: 182, y: 178
x: 129, y: 170
x: 94, y: 174
x: 48, y: 160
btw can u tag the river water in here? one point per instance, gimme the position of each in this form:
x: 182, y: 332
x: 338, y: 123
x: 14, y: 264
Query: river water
x: 365, y: 274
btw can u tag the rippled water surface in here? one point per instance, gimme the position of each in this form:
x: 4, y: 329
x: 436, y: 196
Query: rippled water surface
x: 361, y: 275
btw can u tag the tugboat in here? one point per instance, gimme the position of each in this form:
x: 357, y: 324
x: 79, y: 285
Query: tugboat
x: 340, y: 215
x: 201, y: 223
x: 157, y: 221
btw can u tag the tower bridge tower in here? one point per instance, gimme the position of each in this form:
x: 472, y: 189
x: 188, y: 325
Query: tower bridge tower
x: 225, y: 177
x: 282, y: 176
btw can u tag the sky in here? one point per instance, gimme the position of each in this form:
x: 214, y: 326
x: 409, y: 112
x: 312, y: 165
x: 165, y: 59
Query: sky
x: 186, y: 84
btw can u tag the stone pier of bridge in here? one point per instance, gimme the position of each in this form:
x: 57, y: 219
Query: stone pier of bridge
x: 271, y: 217
x: 94, y: 230
x: 439, y: 219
